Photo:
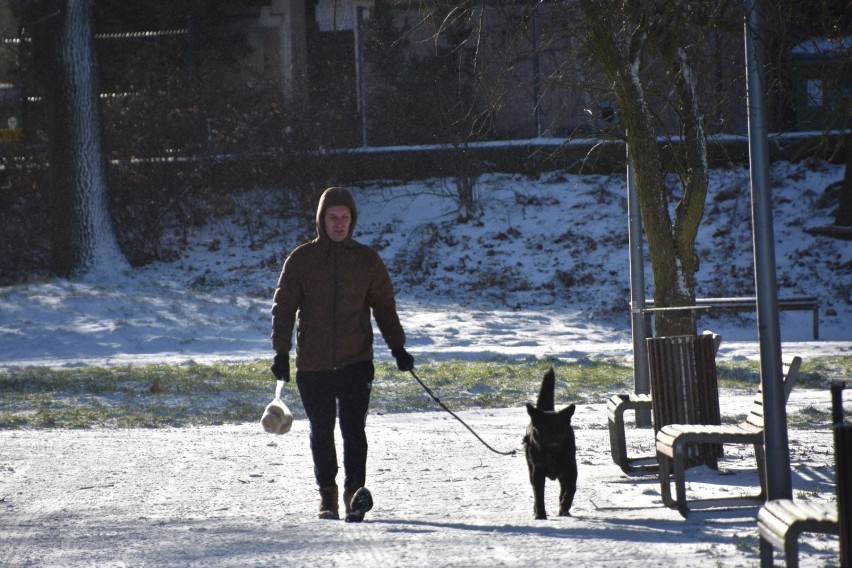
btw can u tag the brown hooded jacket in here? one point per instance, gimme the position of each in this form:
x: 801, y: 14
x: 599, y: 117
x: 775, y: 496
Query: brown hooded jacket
x: 328, y: 289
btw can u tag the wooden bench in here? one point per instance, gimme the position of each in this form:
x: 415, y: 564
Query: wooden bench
x: 617, y: 405
x: 781, y: 521
x: 673, y: 441
x: 737, y: 304
x: 615, y: 408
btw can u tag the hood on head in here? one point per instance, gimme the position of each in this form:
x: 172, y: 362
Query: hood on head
x: 329, y: 198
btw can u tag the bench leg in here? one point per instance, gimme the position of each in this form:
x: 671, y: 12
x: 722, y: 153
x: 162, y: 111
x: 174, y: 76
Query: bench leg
x: 766, y: 554
x: 791, y: 550
x: 679, y: 465
x: 618, y: 436
x: 816, y: 323
x: 760, y: 457
x: 665, y: 469
x: 617, y: 440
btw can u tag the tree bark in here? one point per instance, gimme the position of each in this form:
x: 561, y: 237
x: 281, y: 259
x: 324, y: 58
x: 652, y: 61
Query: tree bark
x: 695, y: 175
x: 63, y: 47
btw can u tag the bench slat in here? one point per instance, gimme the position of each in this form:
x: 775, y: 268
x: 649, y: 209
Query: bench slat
x: 794, y: 512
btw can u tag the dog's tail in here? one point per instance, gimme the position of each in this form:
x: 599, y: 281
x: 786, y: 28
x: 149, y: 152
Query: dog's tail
x: 546, y: 394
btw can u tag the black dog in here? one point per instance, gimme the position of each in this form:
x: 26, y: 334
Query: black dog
x: 550, y: 448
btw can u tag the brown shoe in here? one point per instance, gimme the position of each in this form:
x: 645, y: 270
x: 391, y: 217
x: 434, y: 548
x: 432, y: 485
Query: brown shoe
x: 329, y: 509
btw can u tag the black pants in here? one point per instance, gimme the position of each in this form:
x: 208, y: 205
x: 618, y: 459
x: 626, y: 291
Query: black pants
x: 324, y: 394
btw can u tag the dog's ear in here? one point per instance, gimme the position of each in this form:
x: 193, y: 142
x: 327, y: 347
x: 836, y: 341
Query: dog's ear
x: 568, y: 411
x: 532, y: 410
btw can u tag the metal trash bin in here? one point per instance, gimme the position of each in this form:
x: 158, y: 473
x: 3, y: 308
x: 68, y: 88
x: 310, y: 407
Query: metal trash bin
x: 685, y: 387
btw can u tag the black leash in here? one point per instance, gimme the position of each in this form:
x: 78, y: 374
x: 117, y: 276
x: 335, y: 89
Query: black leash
x: 441, y: 404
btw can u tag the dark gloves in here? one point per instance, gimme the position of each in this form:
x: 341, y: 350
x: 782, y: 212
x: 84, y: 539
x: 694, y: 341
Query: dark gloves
x: 281, y: 367
x: 404, y: 360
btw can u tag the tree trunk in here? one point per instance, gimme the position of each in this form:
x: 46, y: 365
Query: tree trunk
x: 670, y: 248
x: 81, y: 232
x: 843, y: 216
x: 662, y: 248
x: 695, y: 172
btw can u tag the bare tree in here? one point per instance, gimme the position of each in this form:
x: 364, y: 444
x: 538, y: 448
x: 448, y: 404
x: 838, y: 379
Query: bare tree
x: 649, y: 54
x: 82, y: 240
x: 445, y: 72
x: 625, y: 38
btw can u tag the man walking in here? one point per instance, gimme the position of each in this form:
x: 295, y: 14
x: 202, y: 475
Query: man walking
x: 328, y: 289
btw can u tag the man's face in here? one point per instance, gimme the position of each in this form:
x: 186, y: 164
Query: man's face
x: 337, y: 220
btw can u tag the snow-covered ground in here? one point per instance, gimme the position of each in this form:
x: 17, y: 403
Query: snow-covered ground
x: 541, y: 272
x: 236, y: 496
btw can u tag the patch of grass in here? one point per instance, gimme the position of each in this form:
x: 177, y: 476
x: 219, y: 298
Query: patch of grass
x: 813, y: 374
x: 158, y: 396
x: 496, y: 384
x: 747, y: 543
x: 738, y: 375
x: 146, y: 396
x: 810, y: 417
x: 816, y: 373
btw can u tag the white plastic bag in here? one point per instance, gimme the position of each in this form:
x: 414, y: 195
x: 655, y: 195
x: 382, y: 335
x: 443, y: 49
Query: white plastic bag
x: 277, y: 418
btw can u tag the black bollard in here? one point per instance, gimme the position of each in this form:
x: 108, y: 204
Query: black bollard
x: 843, y: 471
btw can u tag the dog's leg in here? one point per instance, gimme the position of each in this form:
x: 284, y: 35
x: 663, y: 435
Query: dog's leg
x: 567, y: 489
x: 538, y: 480
x: 566, y: 496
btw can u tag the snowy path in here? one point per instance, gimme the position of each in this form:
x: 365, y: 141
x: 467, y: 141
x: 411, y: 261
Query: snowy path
x: 235, y: 496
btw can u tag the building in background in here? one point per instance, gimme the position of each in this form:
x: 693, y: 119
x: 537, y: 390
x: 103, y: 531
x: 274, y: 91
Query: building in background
x: 822, y: 76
